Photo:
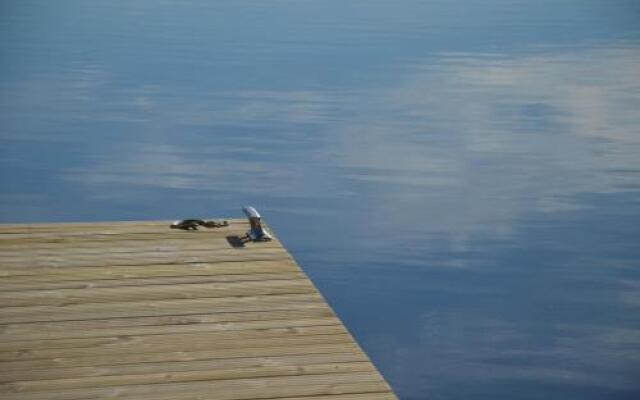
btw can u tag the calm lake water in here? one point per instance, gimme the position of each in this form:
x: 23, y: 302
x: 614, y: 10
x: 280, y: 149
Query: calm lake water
x: 461, y: 179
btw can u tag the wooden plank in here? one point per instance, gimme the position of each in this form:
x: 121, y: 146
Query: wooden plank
x: 168, y: 329
x: 88, y: 240
x: 28, y: 285
x: 386, y: 395
x: 107, y: 235
x: 185, y: 376
x: 111, y: 227
x: 89, y: 224
x: 247, y: 388
x: 97, y: 233
x: 170, y: 323
x: 215, y: 255
x: 223, y: 340
x: 317, y: 346
x: 81, y: 347
x: 90, y: 311
x: 47, y: 375
x: 88, y: 248
x: 136, y: 310
x: 222, y: 267
x: 16, y: 245
x: 64, y: 297
x: 160, y: 240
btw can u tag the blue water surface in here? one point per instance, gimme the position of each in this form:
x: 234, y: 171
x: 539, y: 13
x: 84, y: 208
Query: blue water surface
x: 461, y: 179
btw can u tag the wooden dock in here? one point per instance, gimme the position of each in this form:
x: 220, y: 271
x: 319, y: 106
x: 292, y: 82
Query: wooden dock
x: 135, y: 310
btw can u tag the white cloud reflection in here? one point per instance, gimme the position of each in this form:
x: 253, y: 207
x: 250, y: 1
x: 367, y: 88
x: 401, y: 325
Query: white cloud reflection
x: 475, y: 142
x: 468, y: 142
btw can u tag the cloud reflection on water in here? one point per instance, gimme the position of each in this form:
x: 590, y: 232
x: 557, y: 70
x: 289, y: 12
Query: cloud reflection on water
x: 469, y: 142
x: 498, y: 137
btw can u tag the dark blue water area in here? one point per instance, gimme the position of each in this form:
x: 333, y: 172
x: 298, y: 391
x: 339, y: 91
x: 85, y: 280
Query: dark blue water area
x: 460, y: 179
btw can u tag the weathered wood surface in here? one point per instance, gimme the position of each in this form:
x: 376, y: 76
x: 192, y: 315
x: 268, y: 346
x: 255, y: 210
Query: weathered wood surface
x: 135, y: 310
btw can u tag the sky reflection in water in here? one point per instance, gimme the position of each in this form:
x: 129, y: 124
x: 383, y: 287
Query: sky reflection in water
x: 461, y: 182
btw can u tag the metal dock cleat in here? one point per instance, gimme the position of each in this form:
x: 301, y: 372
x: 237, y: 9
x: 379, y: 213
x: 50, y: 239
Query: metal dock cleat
x: 257, y: 233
